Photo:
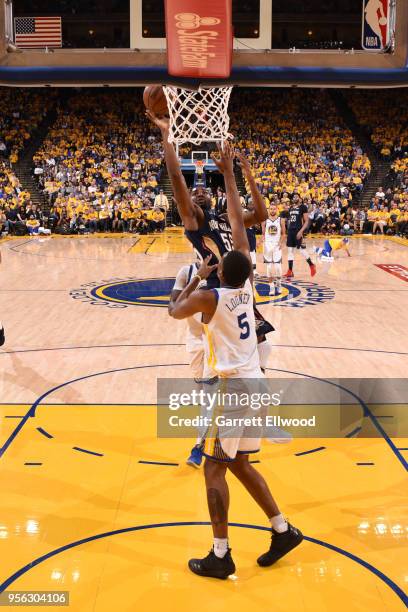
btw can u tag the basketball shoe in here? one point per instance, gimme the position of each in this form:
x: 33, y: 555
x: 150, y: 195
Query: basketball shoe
x: 281, y: 544
x: 212, y: 566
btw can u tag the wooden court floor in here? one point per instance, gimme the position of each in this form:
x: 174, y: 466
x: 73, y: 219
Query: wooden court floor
x: 95, y: 504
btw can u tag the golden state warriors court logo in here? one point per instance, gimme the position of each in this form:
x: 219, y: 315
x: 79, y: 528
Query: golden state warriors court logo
x: 155, y: 292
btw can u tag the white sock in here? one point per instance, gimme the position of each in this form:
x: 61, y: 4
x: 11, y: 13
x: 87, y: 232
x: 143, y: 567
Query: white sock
x: 220, y: 547
x: 279, y: 523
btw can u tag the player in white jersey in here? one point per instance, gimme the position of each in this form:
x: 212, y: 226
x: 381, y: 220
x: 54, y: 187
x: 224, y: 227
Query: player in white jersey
x: 194, y: 348
x: 274, y: 235
x: 231, y: 345
x: 199, y: 362
x: 195, y: 330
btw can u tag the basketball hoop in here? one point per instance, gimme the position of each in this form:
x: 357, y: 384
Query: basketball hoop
x: 198, y: 116
x: 199, y: 166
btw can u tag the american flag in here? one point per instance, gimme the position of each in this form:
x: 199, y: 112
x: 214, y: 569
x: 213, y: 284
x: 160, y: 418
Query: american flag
x: 33, y: 32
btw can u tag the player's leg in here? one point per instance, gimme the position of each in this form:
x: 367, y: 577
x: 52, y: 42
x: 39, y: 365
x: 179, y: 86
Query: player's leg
x: 307, y: 255
x: 267, y: 254
x: 291, y: 244
x: 218, y: 563
x: 325, y: 251
x: 277, y: 264
x: 291, y: 258
x: 285, y: 537
x: 195, y: 351
x: 264, y: 350
x: 253, y: 259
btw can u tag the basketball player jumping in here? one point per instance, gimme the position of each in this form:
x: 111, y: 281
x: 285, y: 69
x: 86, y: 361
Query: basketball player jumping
x: 210, y: 232
x: 200, y: 221
x: 298, y: 222
x: 274, y: 234
x: 231, y: 350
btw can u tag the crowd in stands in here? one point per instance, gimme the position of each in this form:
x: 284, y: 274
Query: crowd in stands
x: 99, y: 166
x: 100, y: 162
x: 301, y: 150
x: 385, y: 119
x: 22, y: 110
x: 386, y: 123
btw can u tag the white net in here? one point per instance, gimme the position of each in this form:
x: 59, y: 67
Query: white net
x: 198, y: 116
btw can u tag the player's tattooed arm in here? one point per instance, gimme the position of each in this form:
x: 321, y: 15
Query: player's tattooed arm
x: 187, y: 211
x: 260, y: 213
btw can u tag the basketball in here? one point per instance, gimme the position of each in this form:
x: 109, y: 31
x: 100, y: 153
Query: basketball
x: 155, y: 100
x: 382, y: 21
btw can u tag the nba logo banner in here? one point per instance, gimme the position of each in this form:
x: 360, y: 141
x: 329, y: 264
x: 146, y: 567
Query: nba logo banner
x: 376, y: 25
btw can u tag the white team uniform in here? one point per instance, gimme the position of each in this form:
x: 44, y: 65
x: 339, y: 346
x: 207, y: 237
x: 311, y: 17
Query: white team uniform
x: 230, y: 337
x: 273, y: 232
x: 232, y: 353
x: 195, y: 330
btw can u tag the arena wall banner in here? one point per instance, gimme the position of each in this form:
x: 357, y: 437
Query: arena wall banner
x: 377, y: 24
x: 199, y: 38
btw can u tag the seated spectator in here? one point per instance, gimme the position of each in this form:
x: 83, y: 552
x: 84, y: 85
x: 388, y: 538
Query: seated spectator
x: 100, y: 154
x: 359, y: 220
x: 33, y: 225
x: 158, y: 220
x: 402, y: 223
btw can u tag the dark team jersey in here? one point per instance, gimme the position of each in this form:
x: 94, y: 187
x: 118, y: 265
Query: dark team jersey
x: 295, y: 217
x: 251, y: 235
x: 213, y: 239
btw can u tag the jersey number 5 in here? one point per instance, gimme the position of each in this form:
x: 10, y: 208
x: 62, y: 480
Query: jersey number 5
x: 244, y: 325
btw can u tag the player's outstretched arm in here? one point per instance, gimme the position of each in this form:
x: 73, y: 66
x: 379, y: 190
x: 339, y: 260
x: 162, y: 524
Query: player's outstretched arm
x: 260, y: 213
x: 186, y: 210
x: 235, y: 213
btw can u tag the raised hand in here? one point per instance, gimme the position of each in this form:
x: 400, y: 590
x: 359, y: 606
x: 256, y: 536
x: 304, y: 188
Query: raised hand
x: 244, y: 163
x: 225, y: 160
x: 161, y: 122
x: 205, y: 269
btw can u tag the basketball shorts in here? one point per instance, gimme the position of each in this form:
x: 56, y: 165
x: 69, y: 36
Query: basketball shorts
x: 272, y: 253
x: 327, y: 250
x: 195, y: 351
x: 236, y: 428
x: 292, y: 241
